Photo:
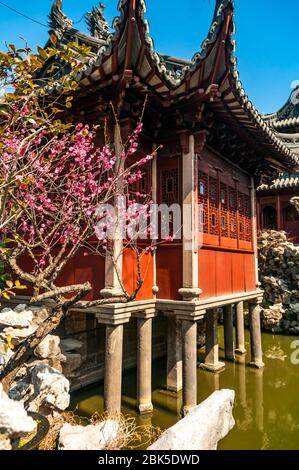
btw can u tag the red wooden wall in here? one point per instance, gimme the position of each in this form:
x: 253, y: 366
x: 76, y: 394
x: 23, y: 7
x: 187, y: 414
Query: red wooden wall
x: 225, y: 272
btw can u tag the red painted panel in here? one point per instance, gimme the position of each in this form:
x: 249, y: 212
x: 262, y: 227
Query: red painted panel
x: 89, y: 268
x: 238, y: 272
x: 27, y: 265
x: 207, y: 273
x: 223, y: 273
x: 210, y: 239
x: 229, y: 243
x: 130, y: 274
x: 249, y: 268
x: 169, y: 272
x: 78, y: 270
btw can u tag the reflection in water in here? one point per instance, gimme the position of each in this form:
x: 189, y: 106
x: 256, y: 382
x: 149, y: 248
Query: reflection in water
x: 266, y: 407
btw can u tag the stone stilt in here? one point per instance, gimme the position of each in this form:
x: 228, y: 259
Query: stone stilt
x: 212, y: 349
x: 144, y: 365
x: 240, y: 331
x: 229, y: 333
x: 189, y: 339
x: 255, y: 336
x: 113, y: 368
x: 174, y: 355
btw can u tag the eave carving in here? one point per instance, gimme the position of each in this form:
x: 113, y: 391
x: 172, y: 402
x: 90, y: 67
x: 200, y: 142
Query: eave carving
x: 57, y: 19
x: 96, y: 22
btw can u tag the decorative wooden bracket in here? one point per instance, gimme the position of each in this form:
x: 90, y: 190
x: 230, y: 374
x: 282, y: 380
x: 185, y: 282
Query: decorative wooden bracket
x: 200, y: 141
x: 184, y: 141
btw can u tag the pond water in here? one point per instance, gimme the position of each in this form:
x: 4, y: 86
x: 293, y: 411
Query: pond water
x: 267, y: 401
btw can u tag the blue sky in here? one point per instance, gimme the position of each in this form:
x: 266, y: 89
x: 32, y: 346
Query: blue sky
x: 266, y: 36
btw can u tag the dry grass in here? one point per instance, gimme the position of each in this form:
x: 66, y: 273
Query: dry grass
x: 130, y: 435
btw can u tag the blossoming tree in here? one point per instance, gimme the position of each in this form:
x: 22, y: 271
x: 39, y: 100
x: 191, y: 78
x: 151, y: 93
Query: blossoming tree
x: 54, y: 182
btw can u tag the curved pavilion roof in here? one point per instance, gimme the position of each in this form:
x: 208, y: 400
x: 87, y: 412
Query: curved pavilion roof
x: 127, y: 55
x: 285, y: 124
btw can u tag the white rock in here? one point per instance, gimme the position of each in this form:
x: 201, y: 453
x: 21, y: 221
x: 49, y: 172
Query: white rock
x: 5, y: 354
x: 51, y: 389
x: 203, y: 427
x: 49, y: 347
x: 97, y: 437
x: 72, y: 362
x: 295, y: 307
x: 9, y: 317
x: 14, y: 420
x: 20, y: 307
x: 5, y: 443
x: 18, y: 334
x: 70, y: 344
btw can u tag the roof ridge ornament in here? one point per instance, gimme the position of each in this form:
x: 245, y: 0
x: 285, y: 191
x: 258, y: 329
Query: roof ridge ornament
x: 97, y: 23
x: 57, y: 19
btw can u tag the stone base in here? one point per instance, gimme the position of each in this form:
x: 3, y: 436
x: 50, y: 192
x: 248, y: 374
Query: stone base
x: 213, y: 367
x: 240, y: 351
x: 190, y: 294
x: 111, y: 293
x: 145, y: 409
x: 174, y: 389
x: 257, y: 365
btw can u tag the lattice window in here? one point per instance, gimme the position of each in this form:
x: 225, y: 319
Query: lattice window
x: 241, y: 210
x: 248, y: 231
x: 141, y: 189
x: 247, y: 218
x: 203, y: 191
x: 170, y: 186
x: 233, y: 227
x: 213, y: 206
x: 247, y: 209
x: 241, y: 203
x: 224, y: 209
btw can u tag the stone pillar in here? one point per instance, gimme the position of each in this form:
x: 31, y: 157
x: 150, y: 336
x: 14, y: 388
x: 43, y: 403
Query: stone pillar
x: 229, y: 333
x: 190, y: 237
x: 113, y: 368
x: 212, y: 349
x: 144, y: 365
x: 113, y: 270
x: 240, y: 330
x: 189, y: 339
x: 255, y: 335
x: 174, y: 355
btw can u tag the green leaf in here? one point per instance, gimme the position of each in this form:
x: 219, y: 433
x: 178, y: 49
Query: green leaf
x: 19, y: 286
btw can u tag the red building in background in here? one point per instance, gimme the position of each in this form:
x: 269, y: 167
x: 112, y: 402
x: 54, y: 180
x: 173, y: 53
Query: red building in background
x: 274, y: 208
